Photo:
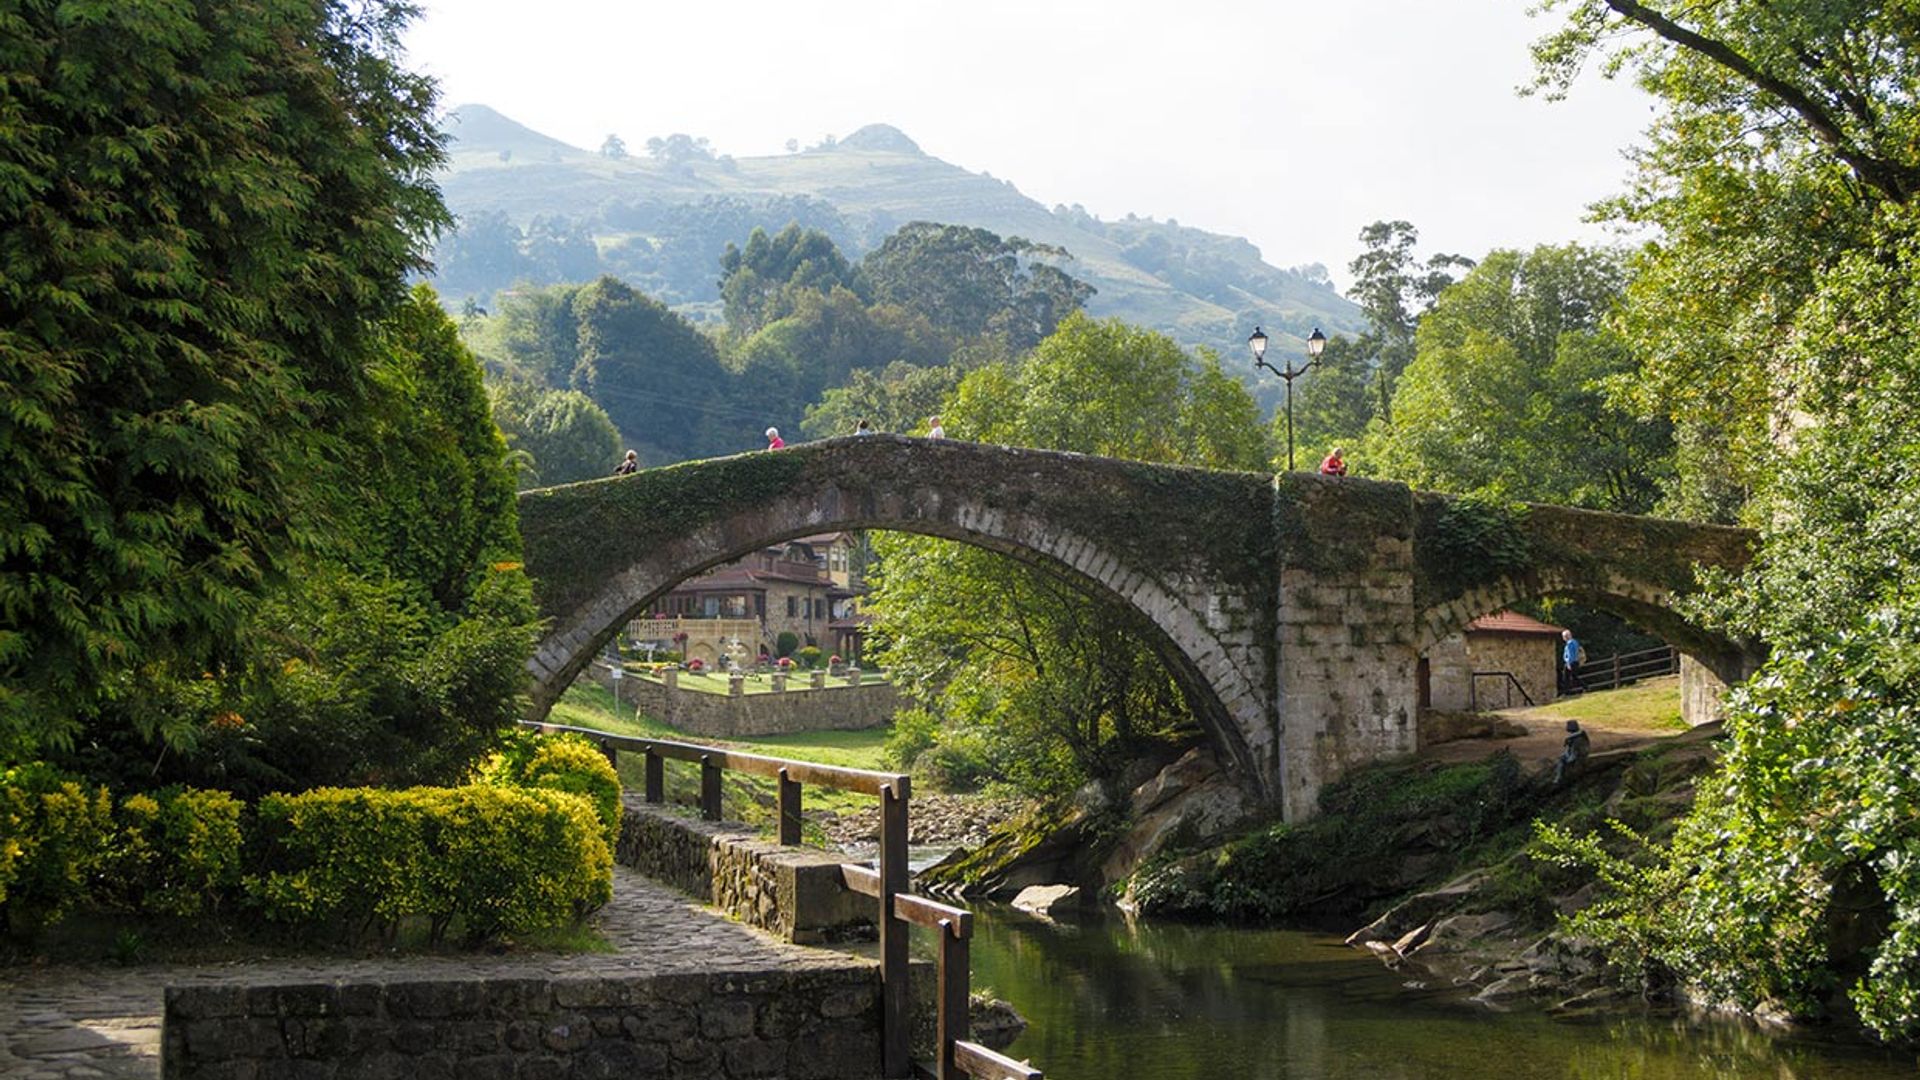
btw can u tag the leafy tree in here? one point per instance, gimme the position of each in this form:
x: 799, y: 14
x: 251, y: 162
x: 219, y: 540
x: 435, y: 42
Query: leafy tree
x: 657, y: 377
x: 1508, y: 395
x: 1777, y: 309
x: 971, y: 283
x: 396, y: 653
x: 482, y: 253
x: 1334, y: 404
x: 562, y: 434
x: 1394, y: 289
x: 533, y: 334
x: 203, y: 208
x: 614, y: 147
x: 899, y: 397
x: 1037, y: 681
x: 758, y: 284
x: 561, y: 249
x: 679, y: 149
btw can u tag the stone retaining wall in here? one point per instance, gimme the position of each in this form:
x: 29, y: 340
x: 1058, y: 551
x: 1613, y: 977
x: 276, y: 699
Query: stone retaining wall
x: 796, y: 1024
x: 722, y: 716
x: 795, y: 893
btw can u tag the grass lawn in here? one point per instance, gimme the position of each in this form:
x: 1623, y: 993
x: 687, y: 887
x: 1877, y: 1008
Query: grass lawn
x: 746, y: 798
x: 1651, y: 706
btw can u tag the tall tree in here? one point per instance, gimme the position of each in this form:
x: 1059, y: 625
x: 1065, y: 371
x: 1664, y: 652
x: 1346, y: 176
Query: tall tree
x: 1395, y: 289
x: 1034, y: 679
x: 657, y: 376
x: 760, y: 283
x: 972, y: 283
x: 561, y: 434
x: 397, y: 653
x: 1776, y: 307
x: 1508, y: 394
x: 203, y: 210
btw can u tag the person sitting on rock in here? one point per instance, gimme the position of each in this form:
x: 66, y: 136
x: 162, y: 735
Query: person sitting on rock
x: 1574, y: 749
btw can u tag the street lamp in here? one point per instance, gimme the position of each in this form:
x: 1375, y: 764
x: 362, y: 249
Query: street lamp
x: 1316, y: 344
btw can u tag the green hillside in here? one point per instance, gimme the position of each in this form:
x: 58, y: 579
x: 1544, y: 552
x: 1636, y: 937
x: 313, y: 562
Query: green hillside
x: 662, y: 222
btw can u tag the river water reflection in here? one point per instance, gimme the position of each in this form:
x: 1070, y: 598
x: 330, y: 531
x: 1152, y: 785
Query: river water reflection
x: 1154, y: 1001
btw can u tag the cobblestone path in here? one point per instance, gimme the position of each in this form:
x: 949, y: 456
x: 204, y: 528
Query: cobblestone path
x: 61, y: 1022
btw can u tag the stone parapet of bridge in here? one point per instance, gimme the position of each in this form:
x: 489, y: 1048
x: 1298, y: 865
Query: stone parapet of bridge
x: 1292, y: 610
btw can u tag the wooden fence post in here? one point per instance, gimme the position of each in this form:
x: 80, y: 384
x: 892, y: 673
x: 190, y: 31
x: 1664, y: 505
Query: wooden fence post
x: 896, y: 998
x: 709, y: 788
x: 789, y: 809
x: 953, y: 1022
x: 656, y: 777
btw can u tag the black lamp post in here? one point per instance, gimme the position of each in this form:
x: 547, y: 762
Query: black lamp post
x: 1316, y: 344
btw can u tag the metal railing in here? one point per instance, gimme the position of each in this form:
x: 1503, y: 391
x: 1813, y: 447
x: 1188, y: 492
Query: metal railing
x: 956, y: 1056
x: 1625, y: 669
x: 1511, y: 684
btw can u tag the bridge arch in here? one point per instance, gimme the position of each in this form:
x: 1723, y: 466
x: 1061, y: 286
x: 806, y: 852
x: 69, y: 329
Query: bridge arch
x: 1066, y: 514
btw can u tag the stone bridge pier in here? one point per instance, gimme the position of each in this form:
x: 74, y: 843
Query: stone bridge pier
x: 1291, y: 610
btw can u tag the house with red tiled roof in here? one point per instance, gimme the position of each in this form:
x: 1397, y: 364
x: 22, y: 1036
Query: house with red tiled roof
x: 809, y: 587
x: 1499, y: 660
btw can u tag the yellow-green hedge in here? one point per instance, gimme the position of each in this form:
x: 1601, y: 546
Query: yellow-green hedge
x: 564, y: 762
x: 496, y: 859
x: 53, y: 838
x: 175, y: 852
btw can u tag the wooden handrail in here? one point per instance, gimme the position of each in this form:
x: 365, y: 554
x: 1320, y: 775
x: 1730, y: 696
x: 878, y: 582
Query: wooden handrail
x: 983, y: 1064
x: 860, y: 781
x: 899, y: 908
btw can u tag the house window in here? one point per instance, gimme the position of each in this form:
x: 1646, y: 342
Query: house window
x: 791, y: 608
x: 760, y: 605
x: 819, y: 609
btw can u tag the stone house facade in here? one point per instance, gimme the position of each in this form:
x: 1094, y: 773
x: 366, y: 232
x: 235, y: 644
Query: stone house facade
x: 809, y: 587
x: 1468, y: 670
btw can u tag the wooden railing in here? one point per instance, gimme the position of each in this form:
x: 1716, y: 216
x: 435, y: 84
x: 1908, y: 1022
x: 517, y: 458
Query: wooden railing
x: 1623, y: 669
x: 956, y: 1055
x: 1510, y: 684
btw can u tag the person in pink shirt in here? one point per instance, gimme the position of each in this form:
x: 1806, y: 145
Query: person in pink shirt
x: 774, y: 441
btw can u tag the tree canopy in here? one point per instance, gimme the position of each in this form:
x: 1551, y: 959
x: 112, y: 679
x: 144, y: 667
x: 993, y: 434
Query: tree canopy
x: 1029, y: 678
x: 203, y: 211
x: 971, y: 283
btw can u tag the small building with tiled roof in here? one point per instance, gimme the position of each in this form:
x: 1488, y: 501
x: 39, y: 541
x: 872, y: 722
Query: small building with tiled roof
x: 1499, y: 660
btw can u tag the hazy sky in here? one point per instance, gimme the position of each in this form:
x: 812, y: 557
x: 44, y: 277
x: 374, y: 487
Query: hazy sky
x: 1289, y: 122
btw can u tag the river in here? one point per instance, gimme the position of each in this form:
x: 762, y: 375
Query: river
x: 1107, y: 998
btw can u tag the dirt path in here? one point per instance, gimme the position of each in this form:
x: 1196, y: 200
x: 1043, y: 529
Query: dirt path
x: 1546, y: 730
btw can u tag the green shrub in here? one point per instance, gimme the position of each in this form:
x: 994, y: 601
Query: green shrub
x: 177, y: 852
x: 506, y: 861
x: 786, y: 643
x: 915, y: 731
x: 807, y: 656
x: 564, y: 762
x: 497, y: 859
x: 55, y: 837
x: 349, y: 858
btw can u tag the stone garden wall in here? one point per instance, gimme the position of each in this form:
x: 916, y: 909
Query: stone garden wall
x: 784, y: 1023
x: 724, y: 716
x: 794, y: 893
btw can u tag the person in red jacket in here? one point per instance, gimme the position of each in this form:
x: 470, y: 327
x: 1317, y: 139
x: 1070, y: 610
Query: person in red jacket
x: 774, y: 441
x: 1335, y: 464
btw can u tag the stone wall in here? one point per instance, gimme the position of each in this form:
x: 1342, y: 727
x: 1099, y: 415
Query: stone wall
x: 1348, y: 665
x: 1452, y: 662
x: 724, y: 716
x: 787, y: 1023
x: 795, y: 893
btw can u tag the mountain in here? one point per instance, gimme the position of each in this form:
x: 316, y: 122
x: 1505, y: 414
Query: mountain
x: 536, y: 209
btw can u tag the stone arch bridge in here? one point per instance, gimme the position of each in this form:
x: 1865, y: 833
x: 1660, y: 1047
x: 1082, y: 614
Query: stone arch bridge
x: 1292, y: 610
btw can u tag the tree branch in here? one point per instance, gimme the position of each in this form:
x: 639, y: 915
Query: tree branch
x: 1886, y: 177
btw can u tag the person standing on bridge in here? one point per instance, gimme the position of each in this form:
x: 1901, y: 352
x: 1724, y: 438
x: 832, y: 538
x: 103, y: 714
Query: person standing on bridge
x: 630, y: 465
x: 1335, y: 464
x: 774, y: 441
x: 1572, y: 655
x: 863, y: 428
x: 934, y: 430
